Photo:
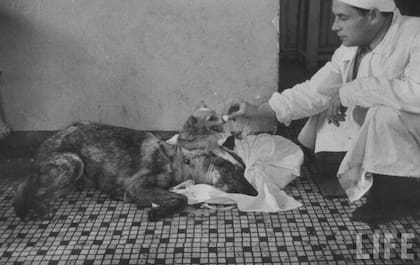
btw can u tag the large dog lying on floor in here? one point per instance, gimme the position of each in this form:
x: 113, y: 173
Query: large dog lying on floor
x: 128, y: 164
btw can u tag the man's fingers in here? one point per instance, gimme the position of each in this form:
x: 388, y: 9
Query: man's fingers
x: 335, y: 122
x: 336, y: 112
x: 234, y: 108
x: 342, y: 109
x: 229, y: 104
x: 336, y: 119
x: 237, y: 109
x: 340, y: 117
x: 236, y: 114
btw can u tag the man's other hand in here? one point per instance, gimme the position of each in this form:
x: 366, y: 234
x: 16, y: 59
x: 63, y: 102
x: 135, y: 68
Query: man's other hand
x: 336, y: 112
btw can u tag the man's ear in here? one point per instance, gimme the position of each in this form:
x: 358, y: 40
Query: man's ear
x: 374, y: 15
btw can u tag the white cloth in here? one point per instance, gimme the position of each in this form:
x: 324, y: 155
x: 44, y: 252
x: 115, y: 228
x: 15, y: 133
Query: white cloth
x: 388, y: 144
x: 388, y: 76
x: 381, y: 5
x: 271, y: 162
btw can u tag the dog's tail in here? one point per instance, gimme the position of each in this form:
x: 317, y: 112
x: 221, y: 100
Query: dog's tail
x: 24, y: 196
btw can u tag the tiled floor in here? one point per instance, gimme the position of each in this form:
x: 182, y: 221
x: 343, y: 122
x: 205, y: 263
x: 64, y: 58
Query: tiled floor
x: 89, y: 228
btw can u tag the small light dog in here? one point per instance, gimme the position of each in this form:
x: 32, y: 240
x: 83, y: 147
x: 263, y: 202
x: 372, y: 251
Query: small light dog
x: 130, y: 164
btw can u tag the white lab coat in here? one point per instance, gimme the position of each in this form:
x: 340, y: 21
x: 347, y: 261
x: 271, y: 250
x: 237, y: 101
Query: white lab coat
x: 388, y: 83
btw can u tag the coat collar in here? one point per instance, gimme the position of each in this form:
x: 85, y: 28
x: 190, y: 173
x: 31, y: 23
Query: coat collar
x: 384, y: 46
x: 349, y: 53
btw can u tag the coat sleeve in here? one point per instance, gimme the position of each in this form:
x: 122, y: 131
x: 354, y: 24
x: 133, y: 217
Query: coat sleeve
x: 401, y: 92
x: 311, y: 97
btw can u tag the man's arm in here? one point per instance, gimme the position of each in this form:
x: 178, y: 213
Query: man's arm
x: 302, y: 100
x: 311, y: 97
x: 401, y: 92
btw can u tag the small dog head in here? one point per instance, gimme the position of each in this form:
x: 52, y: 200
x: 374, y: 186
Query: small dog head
x: 204, y: 121
x: 204, y: 129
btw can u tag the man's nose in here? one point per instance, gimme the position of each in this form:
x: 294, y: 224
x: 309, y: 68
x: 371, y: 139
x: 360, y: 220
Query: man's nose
x: 334, y: 26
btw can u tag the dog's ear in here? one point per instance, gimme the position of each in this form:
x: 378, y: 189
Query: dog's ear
x: 191, y: 121
x: 189, y: 129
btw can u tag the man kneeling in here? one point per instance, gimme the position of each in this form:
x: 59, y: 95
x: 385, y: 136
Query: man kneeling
x: 364, y: 105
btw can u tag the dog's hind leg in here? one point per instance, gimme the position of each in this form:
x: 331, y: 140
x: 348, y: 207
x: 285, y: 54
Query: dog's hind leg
x: 56, y: 175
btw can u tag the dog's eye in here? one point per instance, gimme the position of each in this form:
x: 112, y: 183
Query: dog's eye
x: 216, y: 128
x: 187, y: 161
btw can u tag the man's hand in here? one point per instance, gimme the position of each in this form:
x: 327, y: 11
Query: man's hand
x: 336, y: 111
x: 241, y: 109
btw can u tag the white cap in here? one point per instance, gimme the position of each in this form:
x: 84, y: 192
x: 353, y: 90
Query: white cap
x: 381, y: 5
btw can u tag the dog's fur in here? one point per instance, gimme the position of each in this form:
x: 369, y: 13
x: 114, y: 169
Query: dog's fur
x: 125, y: 163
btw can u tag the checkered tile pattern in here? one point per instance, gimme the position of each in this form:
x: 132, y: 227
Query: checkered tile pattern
x: 90, y: 228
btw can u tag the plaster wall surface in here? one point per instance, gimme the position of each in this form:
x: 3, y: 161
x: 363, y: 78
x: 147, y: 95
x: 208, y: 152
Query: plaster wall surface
x: 143, y: 64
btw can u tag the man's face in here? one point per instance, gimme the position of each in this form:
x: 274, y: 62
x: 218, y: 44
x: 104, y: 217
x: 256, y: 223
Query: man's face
x: 353, y: 28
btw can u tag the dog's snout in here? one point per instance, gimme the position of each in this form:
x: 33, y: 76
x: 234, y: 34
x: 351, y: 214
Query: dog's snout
x: 248, y: 189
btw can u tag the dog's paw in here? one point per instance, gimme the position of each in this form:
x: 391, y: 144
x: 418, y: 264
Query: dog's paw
x: 118, y: 195
x: 142, y: 205
x: 49, y: 216
x: 156, y: 214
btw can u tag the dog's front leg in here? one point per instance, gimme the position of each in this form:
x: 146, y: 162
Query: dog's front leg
x: 167, y: 202
x: 146, y: 188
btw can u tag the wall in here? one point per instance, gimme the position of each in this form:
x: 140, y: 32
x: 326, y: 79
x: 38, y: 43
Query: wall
x: 138, y: 63
x: 295, y: 31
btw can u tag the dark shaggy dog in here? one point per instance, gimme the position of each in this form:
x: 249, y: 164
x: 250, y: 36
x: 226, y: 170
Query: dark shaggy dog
x: 124, y: 163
